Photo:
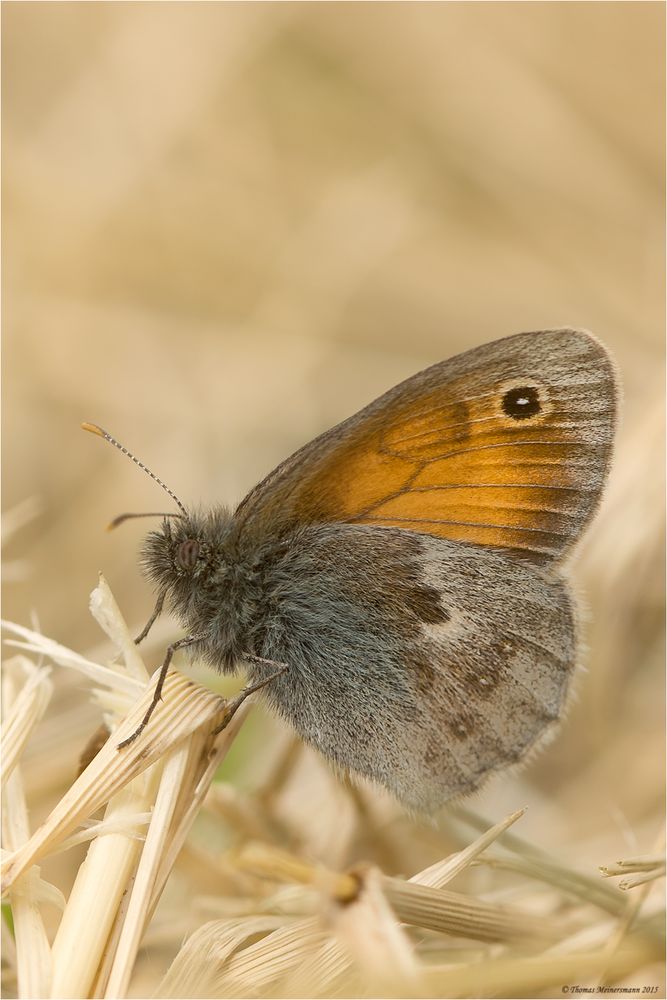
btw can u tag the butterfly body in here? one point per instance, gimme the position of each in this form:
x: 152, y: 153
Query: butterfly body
x: 408, y: 566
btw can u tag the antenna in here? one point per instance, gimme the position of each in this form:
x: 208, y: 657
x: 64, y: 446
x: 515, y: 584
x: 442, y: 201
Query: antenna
x: 94, y: 429
x: 121, y: 518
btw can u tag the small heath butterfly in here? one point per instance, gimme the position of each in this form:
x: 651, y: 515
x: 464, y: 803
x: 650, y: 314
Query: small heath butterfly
x: 399, y: 579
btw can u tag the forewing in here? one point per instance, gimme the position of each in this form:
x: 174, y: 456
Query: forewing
x: 507, y: 445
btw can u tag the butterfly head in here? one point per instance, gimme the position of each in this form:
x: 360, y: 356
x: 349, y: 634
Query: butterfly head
x: 187, y: 550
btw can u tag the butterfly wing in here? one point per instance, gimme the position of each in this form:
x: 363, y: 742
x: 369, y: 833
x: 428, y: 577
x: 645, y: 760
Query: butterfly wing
x: 423, y: 664
x: 507, y: 445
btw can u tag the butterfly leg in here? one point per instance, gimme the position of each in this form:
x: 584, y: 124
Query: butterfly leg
x: 262, y: 659
x: 247, y: 691
x: 157, y: 611
x: 188, y: 640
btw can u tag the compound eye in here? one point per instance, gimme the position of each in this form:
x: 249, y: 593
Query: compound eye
x: 188, y: 553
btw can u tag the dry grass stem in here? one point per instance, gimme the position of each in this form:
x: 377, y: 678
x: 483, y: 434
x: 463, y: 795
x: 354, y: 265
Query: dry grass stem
x: 196, y: 970
x: 530, y: 976
x: 287, y: 925
x: 158, y: 782
x: 33, y: 951
x: 186, y: 707
x: 26, y: 710
x: 367, y: 928
x: 647, y: 868
x: 630, y: 927
x: 173, y: 772
x: 444, y: 871
x: 34, y: 642
x: 414, y: 903
x: 100, y: 884
x: 453, y: 913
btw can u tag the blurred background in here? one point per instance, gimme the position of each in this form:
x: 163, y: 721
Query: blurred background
x: 229, y: 226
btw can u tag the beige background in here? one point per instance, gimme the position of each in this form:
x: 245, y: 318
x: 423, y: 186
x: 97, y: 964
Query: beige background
x: 229, y: 226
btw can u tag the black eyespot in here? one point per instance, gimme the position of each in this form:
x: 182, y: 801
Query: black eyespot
x: 188, y: 553
x: 522, y: 402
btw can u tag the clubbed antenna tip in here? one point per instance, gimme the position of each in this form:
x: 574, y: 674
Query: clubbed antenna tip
x: 96, y: 429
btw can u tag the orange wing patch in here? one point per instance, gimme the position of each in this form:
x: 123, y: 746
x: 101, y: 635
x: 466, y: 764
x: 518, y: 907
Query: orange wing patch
x: 468, y: 471
x: 470, y: 450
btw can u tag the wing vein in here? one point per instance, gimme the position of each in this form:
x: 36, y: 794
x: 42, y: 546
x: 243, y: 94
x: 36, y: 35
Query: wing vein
x: 513, y: 444
x: 466, y: 524
x: 558, y: 425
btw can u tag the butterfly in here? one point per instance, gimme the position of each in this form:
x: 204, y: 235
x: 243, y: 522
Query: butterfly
x: 401, y: 579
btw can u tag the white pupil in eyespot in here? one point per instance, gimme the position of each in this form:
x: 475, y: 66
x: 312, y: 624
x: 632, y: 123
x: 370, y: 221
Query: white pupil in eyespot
x: 522, y: 401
